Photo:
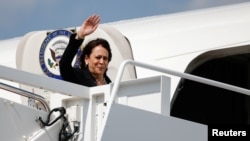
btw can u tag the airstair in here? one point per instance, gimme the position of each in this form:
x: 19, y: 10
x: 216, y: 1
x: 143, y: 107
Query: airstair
x: 134, y: 110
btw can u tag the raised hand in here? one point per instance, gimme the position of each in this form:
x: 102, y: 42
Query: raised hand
x: 88, y: 26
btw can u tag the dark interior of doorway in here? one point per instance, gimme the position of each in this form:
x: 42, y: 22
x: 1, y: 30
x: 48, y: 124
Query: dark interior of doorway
x: 211, y: 105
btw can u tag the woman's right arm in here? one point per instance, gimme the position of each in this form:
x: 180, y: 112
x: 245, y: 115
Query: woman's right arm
x: 88, y: 27
x: 65, y: 65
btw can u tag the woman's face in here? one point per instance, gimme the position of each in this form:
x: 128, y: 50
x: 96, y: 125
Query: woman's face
x: 98, y: 60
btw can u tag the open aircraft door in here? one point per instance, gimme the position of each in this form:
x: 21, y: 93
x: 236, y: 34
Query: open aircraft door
x: 36, y: 50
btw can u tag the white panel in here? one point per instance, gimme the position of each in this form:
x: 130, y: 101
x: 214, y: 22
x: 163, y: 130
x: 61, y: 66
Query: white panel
x: 152, y: 94
x: 130, y: 124
x: 19, y: 121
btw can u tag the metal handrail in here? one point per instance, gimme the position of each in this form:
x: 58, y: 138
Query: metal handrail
x: 166, y: 71
x: 26, y: 94
x: 175, y: 73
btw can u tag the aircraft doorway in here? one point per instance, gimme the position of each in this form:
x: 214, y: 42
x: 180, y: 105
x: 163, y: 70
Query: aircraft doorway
x: 211, y: 105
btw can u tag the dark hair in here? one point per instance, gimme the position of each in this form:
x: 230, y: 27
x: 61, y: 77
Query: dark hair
x: 87, y: 50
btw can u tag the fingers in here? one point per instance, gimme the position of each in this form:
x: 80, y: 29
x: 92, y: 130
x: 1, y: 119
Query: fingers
x: 89, y: 26
x: 94, y: 19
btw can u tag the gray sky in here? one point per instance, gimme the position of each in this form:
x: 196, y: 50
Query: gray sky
x: 19, y: 17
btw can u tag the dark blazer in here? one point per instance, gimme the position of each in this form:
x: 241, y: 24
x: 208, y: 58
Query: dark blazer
x: 76, y: 75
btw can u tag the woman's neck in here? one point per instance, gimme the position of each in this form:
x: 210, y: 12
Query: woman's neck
x: 100, y: 80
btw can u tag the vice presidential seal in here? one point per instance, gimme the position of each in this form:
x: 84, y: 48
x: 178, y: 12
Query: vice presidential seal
x: 51, y: 52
